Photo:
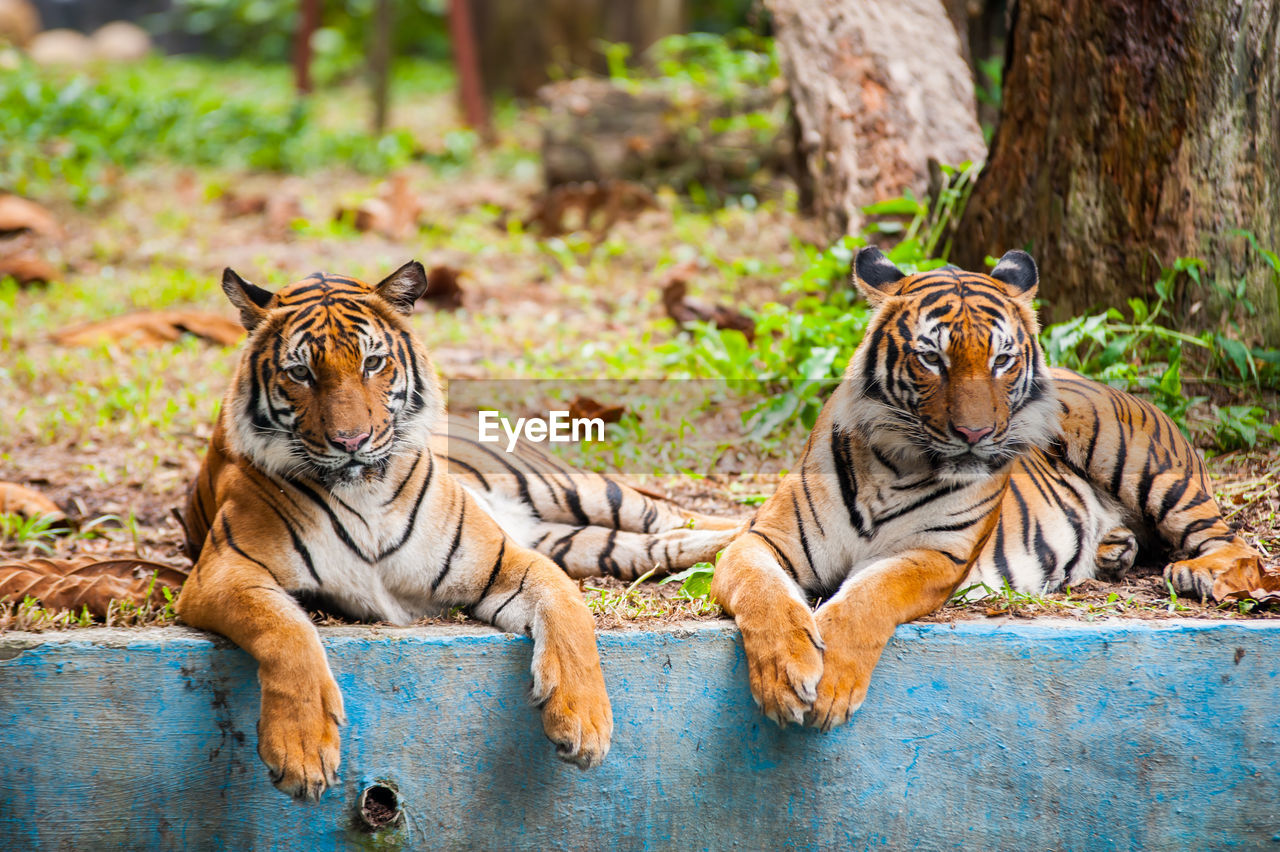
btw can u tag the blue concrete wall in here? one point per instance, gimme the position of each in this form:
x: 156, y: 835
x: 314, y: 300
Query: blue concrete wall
x: 1011, y: 736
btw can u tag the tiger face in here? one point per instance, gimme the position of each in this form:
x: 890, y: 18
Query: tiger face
x: 332, y: 381
x: 950, y: 371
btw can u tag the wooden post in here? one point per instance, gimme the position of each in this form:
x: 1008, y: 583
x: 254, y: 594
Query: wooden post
x: 475, y: 109
x: 380, y: 63
x: 308, y: 23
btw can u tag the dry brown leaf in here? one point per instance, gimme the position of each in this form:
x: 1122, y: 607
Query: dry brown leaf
x: 393, y: 214
x: 599, y: 206
x: 20, y: 500
x: 281, y: 211
x: 443, y: 290
x: 87, y: 582
x: 405, y: 205
x: 19, y: 260
x: 585, y: 406
x: 152, y: 328
x: 21, y: 214
x: 235, y: 205
x: 684, y: 310
x: 1248, y: 578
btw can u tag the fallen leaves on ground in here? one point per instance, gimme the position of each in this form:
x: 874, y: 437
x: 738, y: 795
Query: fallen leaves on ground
x: 22, y: 214
x: 443, y: 290
x: 281, y: 212
x: 278, y: 209
x: 235, y: 205
x: 152, y: 328
x: 585, y: 406
x: 22, y: 257
x: 20, y: 260
x: 1248, y: 579
x: 20, y: 500
x: 685, y: 310
x: 393, y: 214
x: 88, y: 582
x: 599, y: 205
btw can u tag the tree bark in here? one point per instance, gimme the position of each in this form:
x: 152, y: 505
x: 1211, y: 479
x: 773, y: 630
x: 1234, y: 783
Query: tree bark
x: 1132, y: 133
x: 880, y: 87
x: 599, y: 130
x: 520, y: 40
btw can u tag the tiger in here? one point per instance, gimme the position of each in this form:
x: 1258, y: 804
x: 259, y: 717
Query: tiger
x: 329, y: 480
x: 950, y: 453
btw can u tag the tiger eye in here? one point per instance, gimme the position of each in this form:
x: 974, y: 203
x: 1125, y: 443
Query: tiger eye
x: 374, y: 364
x: 300, y: 373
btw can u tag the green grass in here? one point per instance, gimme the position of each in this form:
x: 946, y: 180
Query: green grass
x: 29, y: 615
x: 71, y: 132
x: 33, y: 534
x: 638, y: 603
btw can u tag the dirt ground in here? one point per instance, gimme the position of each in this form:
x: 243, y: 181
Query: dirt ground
x: 112, y: 432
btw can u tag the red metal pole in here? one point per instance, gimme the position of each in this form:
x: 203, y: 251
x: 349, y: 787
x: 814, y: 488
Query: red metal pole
x: 475, y: 109
x: 380, y: 63
x: 308, y: 23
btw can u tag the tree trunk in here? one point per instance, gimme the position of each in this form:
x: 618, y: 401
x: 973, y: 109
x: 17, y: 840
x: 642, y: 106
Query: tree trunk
x: 521, y: 40
x: 598, y: 130
x: 880, y: 87
x: 1132, y: 133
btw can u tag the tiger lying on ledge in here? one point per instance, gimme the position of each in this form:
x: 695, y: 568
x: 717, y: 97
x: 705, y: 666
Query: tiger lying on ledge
x: 320, y: 482
x: 948, y: 454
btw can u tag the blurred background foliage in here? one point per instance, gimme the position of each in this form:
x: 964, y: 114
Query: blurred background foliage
x: 263, y: 31
x: 68, y: 133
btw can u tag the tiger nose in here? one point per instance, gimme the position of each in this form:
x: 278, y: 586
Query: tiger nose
x: 973, y: 436
x: 349, y: 441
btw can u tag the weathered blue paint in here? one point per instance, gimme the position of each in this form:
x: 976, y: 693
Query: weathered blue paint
x: 1021, y: 736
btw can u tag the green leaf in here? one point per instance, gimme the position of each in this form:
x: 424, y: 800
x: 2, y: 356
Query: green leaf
x: 894, y: 207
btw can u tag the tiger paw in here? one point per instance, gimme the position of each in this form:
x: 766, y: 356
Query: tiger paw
x: 1230, y: 568
x: 298, y: 738
x: 1116, y: 553
x: 853, y: 649
x: 579, y: 721
x: 784, y: 658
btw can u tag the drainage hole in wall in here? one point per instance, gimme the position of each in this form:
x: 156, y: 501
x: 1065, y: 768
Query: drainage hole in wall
x: 379, y: 806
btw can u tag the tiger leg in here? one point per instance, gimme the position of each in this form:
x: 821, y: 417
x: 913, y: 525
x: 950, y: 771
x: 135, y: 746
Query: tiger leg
x: 591, y: 499
x: 522, y: 591
x: 1134, y: 452
x: 302, y: 709
x: 558, y: 493
x: 859, y: 620
x: 597, y: 551
x: 1116, y: 553
x: 779, y: 635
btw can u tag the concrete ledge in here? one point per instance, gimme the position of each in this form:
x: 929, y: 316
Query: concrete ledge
x: 1013, y: 735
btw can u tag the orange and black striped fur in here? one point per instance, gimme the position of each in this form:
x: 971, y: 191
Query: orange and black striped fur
x: 951, y: 454
x: 320, y: 483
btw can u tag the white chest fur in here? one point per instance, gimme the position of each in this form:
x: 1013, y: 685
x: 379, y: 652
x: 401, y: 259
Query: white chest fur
x: 374, y: 553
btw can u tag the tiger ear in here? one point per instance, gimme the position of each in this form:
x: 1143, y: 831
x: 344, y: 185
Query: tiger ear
x: 403, y: 287
x: 1017, y: 271
x: 875, y: 275
x: 252, y: 301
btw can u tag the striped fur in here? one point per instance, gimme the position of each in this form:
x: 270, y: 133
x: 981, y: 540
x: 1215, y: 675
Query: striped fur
x: 320, y: 484
x: 589, y: 524
x: 950, y: 454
